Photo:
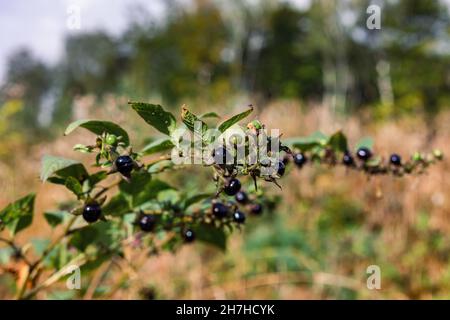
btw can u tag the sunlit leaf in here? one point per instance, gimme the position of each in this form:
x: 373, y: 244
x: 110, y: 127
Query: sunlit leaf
x: 62, y: 168
x: 234, y: 119
x: 19, y: 214
x: 99, y: 127
x: 155, y: 116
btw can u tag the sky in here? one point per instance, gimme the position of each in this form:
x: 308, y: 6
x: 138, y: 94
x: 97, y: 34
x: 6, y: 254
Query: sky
x: 41, y: 25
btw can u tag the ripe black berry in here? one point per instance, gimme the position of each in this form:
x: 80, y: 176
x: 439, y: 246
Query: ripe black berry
x: 364, y: 153
x: 232, y: 187
x: 396, y: 160
x: 241, y: 197
x: 147, y: 222
x: 347, y: 159
x: 299, y: 159
x: 281, y: 168
x: 219, y: 210
x: 124, y: 165
x: 189, y: 235
x: 92, y: 212
x: 256, y: 209
x: 239, y: 217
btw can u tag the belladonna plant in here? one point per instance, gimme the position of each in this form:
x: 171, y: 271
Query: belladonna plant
x: 123, y: 202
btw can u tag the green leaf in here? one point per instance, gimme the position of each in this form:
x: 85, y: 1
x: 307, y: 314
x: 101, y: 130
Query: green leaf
x: 61, y: 167
x: 234, y: 119
x: 74, y: 185
x: 366, y: 142
x: 190, y: 120
x: 150, y: 191
x: 209, y: 115
x: 100, y: 234
x: 62, y: 295
x: 55, y: 218
x: 307, y: 143
x: 137, y: 183
x: 97, y: 177
x: 39, y: 245
x: 117, y: 206
x: 157, y: 146
x: 99, y: 127
x: 211, y: 235
x: 338, y: 142
x: 169, y: 195
x: 374, y: 162
x: 19, y: 214
x: 196, y: 198
x: 155, y: 116
x: 6, y: 254
x: 82, y: 148
x: 160, y: 166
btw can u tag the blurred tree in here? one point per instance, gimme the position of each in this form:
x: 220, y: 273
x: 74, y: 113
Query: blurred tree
x: 27, y: 79
x: 286, y: 65
x: 92, y: 63
x: 183, y: 57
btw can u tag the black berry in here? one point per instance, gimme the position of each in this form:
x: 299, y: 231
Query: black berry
x: 92, y: 212
x: 281, y: 168
x: 347, y: 159
x: 396, y: 160
x: 364, y: 153
x: 189, y: 235
x: 241, y: 197
x: 124, y: 165
x: 239, y: 217
x: 299, y: 159
x: 147, y: 222
x: 219, y: 210
x: 232, y: 187
x: 256, y: 209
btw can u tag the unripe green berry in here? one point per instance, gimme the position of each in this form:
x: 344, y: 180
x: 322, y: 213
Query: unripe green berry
x: 111, y: 139
x: 438, y: 154
x: 417, y: 156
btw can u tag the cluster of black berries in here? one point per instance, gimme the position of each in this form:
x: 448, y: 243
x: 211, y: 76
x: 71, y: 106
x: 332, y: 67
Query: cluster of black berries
x: 233, y: 188
x: 92, y: 211
x: 361, y: 161
x: 364, y: 154
x: 147, y: 223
